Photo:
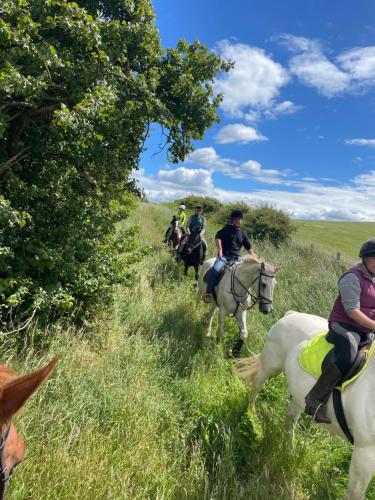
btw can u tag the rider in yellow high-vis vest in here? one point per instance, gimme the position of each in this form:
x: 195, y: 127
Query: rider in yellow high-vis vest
x: 181, y: 217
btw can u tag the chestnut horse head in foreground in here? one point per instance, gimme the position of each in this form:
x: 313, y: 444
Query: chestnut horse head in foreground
x: 14, y: 391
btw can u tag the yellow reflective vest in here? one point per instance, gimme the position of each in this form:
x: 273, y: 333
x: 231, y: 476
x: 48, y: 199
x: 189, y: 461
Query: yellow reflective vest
x: 181, y: 217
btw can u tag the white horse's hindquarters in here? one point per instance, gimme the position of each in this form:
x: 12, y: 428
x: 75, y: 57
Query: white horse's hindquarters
x: 202, y: 271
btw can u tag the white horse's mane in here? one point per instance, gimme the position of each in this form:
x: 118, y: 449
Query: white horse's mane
x: 250, y: 259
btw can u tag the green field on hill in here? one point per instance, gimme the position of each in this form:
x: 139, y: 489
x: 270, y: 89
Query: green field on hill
x: 344, y: 237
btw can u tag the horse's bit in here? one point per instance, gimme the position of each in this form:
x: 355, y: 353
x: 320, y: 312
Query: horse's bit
x: 4, y: 473
x: 255, y: 298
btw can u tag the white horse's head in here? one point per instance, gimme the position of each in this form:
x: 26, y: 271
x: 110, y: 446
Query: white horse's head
x: 263, y: 283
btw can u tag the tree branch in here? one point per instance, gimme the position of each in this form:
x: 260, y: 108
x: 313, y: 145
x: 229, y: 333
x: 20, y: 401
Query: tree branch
x: 89, y: 181
x: 14, y: 159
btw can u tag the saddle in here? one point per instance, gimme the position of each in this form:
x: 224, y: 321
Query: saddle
x: 319, y: 351
x: 229, y: 265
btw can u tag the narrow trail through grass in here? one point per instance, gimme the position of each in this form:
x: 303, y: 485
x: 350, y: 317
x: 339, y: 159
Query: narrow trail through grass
x: 148, y: 407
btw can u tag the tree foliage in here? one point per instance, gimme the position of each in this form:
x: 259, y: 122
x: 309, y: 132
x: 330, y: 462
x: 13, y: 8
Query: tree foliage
x: 80, y: 84
x: 261, y: 223
x: 210, y: 205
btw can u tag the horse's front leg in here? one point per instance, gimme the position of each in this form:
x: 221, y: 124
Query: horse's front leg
x: 196, y: 268
x: 186, y: 269
x: 362, y: 468
x: 220, y: 326
x: 211, y: 315
x: 241, y: 322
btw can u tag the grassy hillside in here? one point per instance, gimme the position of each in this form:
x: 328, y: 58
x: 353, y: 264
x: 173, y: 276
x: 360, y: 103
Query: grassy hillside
x: 344, y: 237
x: 148, y: 407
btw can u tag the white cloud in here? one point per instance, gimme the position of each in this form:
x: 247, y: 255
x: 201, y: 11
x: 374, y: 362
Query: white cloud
x: 351, y: 71
x: 188, y: 177
x: 237, y: 132
x: 361, y: 142
x: 208, y: 158
x: 252, y: 167
x: 366, y: 180
x: 284, y: 108
x: 308, y: 200
x: 359, y: 63
x: 313, y: 68
x: 255, y: 81
x: 274, y: 110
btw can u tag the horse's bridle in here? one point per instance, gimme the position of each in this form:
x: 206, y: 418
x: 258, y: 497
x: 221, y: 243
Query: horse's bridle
x: 4, y: 473
x: 254, y: 298
x: 190, y: 249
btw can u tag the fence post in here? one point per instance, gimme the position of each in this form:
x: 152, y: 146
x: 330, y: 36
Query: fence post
x: 338, y: 255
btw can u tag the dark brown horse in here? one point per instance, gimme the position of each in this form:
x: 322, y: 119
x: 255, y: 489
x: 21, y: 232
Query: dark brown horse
x: 193, y: 253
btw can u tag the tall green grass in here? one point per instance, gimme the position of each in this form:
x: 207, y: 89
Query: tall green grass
x: 339, y: 236
x: 148, y: 407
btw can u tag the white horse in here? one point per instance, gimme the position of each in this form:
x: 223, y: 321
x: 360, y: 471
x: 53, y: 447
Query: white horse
x: 234, y: 292
x: 283, y: 344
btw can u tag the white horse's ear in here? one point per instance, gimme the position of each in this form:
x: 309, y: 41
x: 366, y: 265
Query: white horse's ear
x: 263, y: 267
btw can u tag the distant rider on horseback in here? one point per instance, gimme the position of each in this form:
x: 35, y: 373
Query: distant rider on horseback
x: 196, y: 224
x: 180, y: 216
x: 229, y: 241
x: 352, y: 320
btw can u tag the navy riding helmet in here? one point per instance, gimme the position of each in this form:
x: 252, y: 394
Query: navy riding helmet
x: 368, y: 249
x: 236, y: 214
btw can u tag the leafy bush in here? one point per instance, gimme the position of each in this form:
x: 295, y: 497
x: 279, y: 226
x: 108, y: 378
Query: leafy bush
x: 261, y: 223
x: 210, y: 205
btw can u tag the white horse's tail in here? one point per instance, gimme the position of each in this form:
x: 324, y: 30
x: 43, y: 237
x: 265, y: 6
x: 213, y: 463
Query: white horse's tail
x: 247, y: 368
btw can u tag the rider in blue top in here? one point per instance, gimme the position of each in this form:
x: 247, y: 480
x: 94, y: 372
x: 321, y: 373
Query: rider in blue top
x: 196, y: 224
x: 229, y: 241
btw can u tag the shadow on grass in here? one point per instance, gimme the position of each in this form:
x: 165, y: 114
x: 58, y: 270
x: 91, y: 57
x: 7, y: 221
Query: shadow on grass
x: 185, y: 335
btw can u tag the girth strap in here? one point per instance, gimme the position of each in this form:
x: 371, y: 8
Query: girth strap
x: 340, y: 415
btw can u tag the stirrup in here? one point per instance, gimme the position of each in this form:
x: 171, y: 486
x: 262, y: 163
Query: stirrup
x: 317, y: 409
x: 327, y: 420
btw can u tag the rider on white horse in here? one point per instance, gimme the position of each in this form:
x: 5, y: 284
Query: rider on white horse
x: 180, y: 216
x: 351, y: 321
x: 229, y: 241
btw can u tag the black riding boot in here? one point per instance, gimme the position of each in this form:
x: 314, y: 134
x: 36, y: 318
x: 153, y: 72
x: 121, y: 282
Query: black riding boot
x: 317, y: 398
x: 235, y: 352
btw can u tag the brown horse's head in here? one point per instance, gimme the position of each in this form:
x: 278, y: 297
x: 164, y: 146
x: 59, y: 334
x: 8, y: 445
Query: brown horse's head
x: 14, y: 391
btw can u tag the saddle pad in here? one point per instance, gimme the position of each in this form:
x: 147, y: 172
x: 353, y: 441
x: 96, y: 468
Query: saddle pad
x: 314, y: 352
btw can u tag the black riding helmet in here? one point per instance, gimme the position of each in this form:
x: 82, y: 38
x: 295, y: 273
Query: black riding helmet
x: 236, y: 214
x: 368, y: 249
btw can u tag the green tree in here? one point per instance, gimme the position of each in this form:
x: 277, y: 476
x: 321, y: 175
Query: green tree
x: 80, y: 85
x: 210, y: 205
x: 261, y: 223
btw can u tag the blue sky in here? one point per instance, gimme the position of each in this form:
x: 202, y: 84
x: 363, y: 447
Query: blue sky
x: 298, y: 115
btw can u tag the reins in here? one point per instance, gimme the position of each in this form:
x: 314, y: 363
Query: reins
x: 240, y: 299
x: 190, y: 249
